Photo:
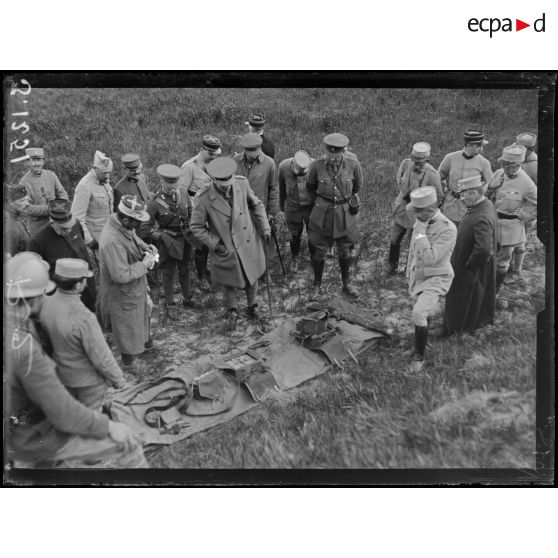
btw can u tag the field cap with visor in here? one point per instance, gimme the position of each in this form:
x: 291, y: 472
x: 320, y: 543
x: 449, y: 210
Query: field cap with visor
x: 222, y: 168
x: 169, y: 173
x: 26, y: 276
x: 211, y: 144
x: 513, y: 154
x: 475, y: 137
x: 251, y: 143
x: 257, y: 121
x: 527, y: 139
x: 35, y: 152
x: 421, y: 151
x: 336, y: 142
x: 60, y: 211
x: 130, y: 160
x: 422, y: 197
x: 133, y: 208
x: 72, y: 268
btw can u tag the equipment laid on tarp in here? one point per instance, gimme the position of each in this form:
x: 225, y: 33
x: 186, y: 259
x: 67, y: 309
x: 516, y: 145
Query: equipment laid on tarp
x: 207, y: 392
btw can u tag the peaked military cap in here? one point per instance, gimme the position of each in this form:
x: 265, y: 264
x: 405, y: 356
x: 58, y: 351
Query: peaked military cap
x: 256, y: 121
x: 221, y: 168
x: 336, y: 140
x: 251, y: 141
x: 301, y: 159
x: 134, y: 208
x: 211, y: 144
x: 169, y: 173
x: 513, y: 154
x: 72, y: 268
x: 527, y: 139
x: 474, y: 136
x: 60, y: 210
x: 421, y: 150
x: 130, y: 160
x: 35, y: 152
x: 13, y: 192
x: 423, y: 197
x: 469, y: 183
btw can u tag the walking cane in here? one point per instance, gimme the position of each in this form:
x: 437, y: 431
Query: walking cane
x: 278, y: 251
x: 267, y: 278
x: 465, y: 316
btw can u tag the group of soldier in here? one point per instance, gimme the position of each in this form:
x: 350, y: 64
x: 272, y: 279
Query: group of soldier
x: 467, y: 224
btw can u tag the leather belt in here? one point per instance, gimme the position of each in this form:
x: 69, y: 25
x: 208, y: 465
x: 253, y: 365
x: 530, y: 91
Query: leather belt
x: 506, y: 216
x: 334, y: 201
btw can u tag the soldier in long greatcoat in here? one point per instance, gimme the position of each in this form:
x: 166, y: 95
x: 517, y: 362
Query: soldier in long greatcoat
x: 231, y: 221
x: 471, y: 299
x: 334, y: 181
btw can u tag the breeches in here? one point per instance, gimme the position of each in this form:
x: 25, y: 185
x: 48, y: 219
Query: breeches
x: 397, y: 233
x: 344, y: 248
x: 426, y: 305
x: 505, y: 254
x: 297, y: 219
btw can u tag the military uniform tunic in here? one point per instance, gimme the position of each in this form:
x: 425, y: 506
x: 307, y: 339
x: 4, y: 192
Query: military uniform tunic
x: 330, y: 219
x: 294, y: 198
x: 41, y: 189
x: 132, y: 186
x: 195, y: 176
x: 454, y: 167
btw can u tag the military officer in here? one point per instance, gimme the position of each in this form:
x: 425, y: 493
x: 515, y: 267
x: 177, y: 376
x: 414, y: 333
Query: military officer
x: 16, y: 235
x: 231, y: 221
x: 170, y: 210
x: 294, y: 200
x: 94, y: 199
x: 529, y: 141
x: 193, y: 179
x: 461, y: 164
x: 414, y: 172
x: 42, y: 187
x: 256, y: 125
x: 429, y: 271
x: 261, y: 172
x: 515, y: 197
x: 334, y: 181
x: 134, y: 182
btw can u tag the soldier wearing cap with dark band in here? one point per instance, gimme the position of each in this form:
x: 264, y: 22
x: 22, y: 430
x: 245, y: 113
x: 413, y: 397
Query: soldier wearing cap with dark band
x: 514, y: 195
x: 471, y: 299
x: 124, y: 260
x: 429, y: 271
x: 134, y: 182
x: 256, y: 125
x: 231, y: 221
x: 63, y: 237
x: 295, y: 200
x: 42, y: 187
x: 461, y: 164
x: 334, y: 181
x: 16, y: 235
x: 529, y: 141
x: 84, y: 361
x: 194, y: 178
x: 261, y: 172
x: 170, y: 210
x: 414, y: 172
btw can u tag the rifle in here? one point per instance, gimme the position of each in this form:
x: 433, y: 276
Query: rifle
x: 278, y: 250
x: 351, y: 317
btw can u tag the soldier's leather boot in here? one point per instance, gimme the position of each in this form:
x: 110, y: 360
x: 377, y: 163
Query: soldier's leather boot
x: 199, y: 262
x: 421, y: 338
x: 500, y: 276
x: 393, y: 259
x: 318, y: 268
x: 252, y: 312
x: 231, y: 318
x: 344, y: 264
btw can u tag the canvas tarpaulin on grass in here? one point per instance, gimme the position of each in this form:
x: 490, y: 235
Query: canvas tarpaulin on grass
x: 290, y: 362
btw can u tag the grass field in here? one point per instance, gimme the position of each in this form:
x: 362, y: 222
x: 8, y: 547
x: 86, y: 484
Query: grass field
x: 472, y: 406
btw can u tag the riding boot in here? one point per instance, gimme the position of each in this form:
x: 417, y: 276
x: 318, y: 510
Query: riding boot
x: 167, y: 281
x: 252, y: 312
x: 318, y: 267
x: 200, y: 263
x: 393, y: 260
x: 421, y: 338
x: 500, y: 276
x: 295, y: 251
x: 344, y: 264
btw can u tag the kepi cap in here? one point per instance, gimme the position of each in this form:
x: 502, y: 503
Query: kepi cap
x: 474, y: 136
x: 130, y: 160
x: 211, y: 144
x: 256, y: 121
x: 60, y: 210
x: 134, y: 208
x: 27, y: 276
x: 513, y: 154
x: 169, y: 173
x: 221, y: 168
x: 251, y: 141
x: 102, y: 161
x: 336, y: 140
x: 35, y: 152
x: 527, y: 139
x: 469, y: 183
x: 422, y: 197
x: 302, y: 160
x: 72, y: 268
x: 13, y: 192
x: 421, y: 150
